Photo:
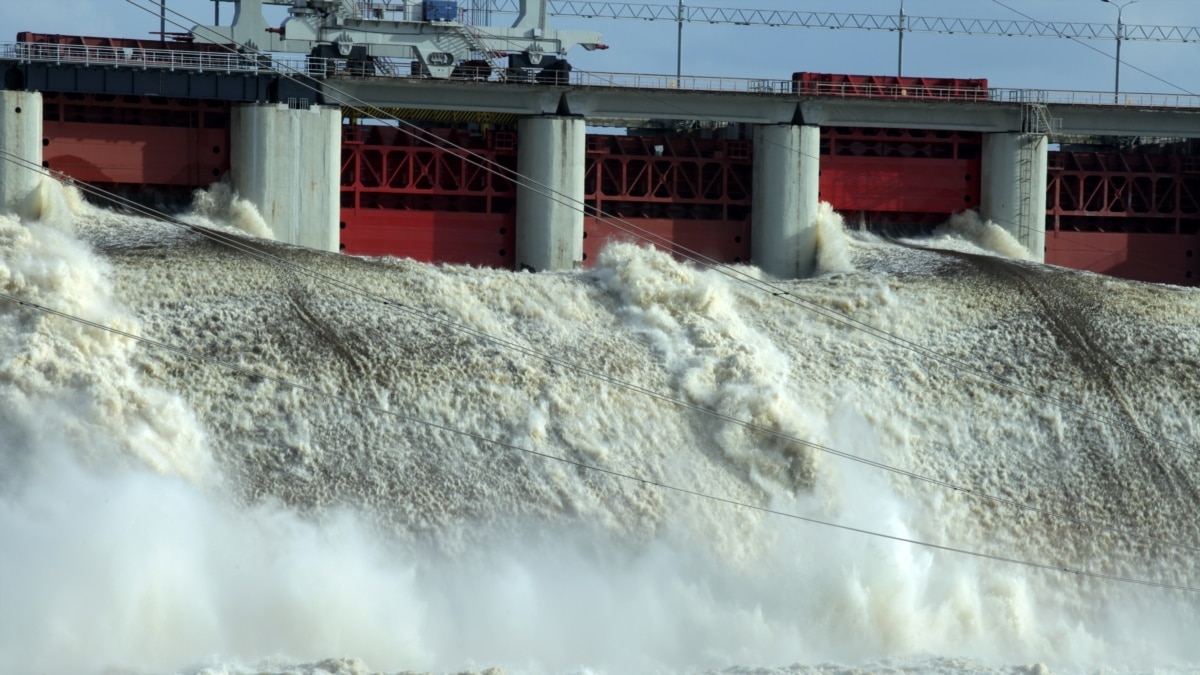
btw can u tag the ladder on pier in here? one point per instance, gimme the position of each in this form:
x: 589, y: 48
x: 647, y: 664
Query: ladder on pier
x: 1035, y: 123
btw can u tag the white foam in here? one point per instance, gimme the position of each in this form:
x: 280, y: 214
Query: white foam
x: 127, y: 569
x: 220, y: 207
x: 833, y: 256
x: 987, y: 236
x: 69, y: 383
x: 342, y: 540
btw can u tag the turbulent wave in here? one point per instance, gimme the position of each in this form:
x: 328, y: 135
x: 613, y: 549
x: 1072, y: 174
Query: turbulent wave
x: 398, y: 510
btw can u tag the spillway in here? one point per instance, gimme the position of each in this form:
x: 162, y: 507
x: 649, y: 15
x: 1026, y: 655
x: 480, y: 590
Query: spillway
x: 378, y: 465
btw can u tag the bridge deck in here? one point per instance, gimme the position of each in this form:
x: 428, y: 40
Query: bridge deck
x: 615, y: 96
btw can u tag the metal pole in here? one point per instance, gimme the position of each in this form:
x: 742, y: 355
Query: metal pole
x: 1117, y: 80
x: 679, y: 47
x: 1120, y: 37
x: 162, y: 20
x: 216, y: 12
x: 900, y: 57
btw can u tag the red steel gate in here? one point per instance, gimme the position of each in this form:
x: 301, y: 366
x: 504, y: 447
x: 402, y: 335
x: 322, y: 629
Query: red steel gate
x: 1131, y: 215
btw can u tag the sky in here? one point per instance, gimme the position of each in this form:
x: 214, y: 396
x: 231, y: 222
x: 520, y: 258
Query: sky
x: 775, y: 53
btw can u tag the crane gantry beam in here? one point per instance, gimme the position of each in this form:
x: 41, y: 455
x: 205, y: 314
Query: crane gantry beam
x: 882, y: 22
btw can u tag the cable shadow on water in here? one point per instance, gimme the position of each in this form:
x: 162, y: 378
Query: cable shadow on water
x: 1069, y: 313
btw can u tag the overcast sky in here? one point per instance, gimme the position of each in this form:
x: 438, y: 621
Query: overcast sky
x: 764, y: 52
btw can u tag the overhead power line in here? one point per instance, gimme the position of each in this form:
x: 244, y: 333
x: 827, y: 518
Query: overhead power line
x: 882, y: 22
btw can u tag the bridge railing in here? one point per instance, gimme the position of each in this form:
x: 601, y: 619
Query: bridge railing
x: 228, y: 62
x: 1132, y: 100
x: 134, y: 57
x: 775, y: 87
x: 899, y: 92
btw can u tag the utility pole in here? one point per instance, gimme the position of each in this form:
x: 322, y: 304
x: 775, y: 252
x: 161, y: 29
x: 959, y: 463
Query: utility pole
x: 162, y: 20
x: 900, y: 58
x: 216, y: 12
x: 679, y: 47
x: 1120, y: 37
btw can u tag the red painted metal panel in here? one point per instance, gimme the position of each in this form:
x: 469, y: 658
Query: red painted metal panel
x: 152, y: 111
x: 119, y: 43
x: 884, y: 86
x: 900, y: 176
x: 121, y: 153
x: 1158, y: 258
x: 483, y: 239
x: 721, y: 241
x: 903, y: 143
x: 899, y: 185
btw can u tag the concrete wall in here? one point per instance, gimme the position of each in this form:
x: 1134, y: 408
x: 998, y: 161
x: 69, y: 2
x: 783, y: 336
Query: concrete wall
x: 550, y: 192
x: 787, y: 170
x: 288, y: 164
x: 21, y: 142
x: 1005, y: 157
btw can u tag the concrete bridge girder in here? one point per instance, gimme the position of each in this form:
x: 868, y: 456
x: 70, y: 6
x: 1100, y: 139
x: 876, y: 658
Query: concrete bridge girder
x: 751, y: 108
x: 465, y: 96
x: 1108, y: 121
x: 682, y: 106
x: 627, y: 104
x: 982, y: 117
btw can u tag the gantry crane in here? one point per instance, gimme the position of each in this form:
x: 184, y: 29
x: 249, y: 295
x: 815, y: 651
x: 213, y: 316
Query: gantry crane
x: 429, y: 33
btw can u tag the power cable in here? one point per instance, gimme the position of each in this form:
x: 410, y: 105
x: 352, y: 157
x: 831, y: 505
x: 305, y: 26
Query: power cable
x: 1101, y: 52
x: 584, y: 465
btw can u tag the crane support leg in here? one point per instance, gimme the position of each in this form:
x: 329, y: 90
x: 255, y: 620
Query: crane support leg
x: 532, y: 16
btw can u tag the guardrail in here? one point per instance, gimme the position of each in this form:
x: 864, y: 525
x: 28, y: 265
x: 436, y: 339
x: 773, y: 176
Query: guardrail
x: 208, y: 61
x: 138, y: 58
x: 850, y: 90
x: 1134, y: 100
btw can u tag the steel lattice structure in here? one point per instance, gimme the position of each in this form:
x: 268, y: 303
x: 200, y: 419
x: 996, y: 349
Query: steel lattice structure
x: 883, y: 22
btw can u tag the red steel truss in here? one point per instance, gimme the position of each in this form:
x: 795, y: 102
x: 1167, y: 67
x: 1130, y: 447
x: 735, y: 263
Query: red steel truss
x: 1123, y: 192
x: 1133, y: 215
x: 420, y: 199
x: 687, y: 194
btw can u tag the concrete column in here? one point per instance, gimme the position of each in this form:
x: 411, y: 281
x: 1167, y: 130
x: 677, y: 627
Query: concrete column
x: 287, y: 163
x: 550, y: 192
x: 787, y: 170
x: 1014, y: 187
x: 21, y: 142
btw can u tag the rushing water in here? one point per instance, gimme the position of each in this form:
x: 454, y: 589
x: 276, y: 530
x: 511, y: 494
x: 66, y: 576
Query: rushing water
x: 162, y: 513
